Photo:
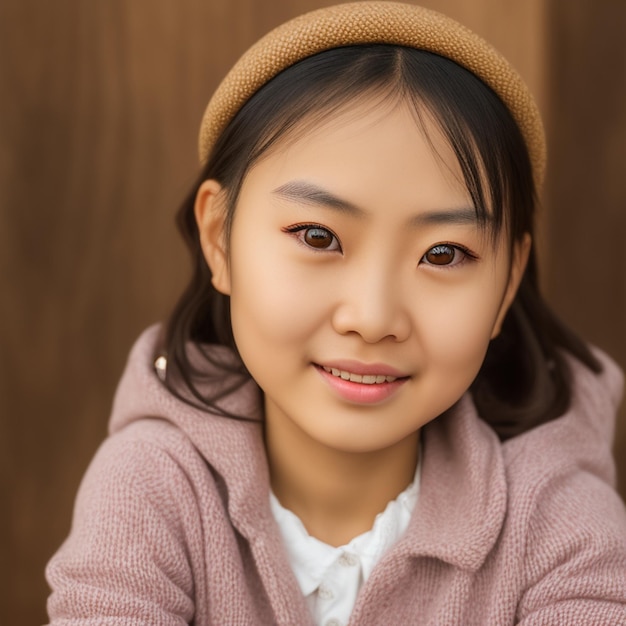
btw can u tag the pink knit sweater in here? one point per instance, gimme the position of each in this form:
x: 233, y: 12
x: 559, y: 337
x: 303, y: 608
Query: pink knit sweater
x: 172, y: 523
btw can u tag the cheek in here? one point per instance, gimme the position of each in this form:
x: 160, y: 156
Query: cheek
x: 456, y: 325
x: 272, y: 300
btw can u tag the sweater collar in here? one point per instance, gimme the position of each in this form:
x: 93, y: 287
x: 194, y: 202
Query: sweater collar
x: 463, y: 492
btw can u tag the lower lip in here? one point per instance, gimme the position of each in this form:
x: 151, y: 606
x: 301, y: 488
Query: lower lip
x: 361, y: 393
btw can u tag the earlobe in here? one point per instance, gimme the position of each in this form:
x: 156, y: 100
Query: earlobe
x: 210, y: 213
x: 519, y: 261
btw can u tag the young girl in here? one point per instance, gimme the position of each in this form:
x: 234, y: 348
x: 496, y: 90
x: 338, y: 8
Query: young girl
x: 361, y: 410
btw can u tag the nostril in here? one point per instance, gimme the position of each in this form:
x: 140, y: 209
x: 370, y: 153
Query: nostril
x: 372, y: 321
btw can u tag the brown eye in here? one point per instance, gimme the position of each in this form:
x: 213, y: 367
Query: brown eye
x: 315, y: 236
x: 443, y: 254
x: 319, y: 238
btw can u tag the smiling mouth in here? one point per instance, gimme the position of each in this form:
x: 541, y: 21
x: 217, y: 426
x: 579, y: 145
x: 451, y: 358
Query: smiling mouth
x: 365, y: 379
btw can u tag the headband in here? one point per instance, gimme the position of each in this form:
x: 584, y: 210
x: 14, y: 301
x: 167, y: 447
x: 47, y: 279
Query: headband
x: 359, y: 23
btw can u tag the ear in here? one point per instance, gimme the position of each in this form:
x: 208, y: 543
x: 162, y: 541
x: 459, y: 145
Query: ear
x: 210, y: 212
x: 519, y: 260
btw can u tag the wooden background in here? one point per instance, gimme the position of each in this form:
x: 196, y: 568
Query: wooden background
x: 99, y: 107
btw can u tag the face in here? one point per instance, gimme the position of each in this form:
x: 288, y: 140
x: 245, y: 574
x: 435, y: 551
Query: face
x: 363, y: 292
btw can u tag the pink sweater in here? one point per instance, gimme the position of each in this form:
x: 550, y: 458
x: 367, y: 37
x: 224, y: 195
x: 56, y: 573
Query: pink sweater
x: 172, y: 523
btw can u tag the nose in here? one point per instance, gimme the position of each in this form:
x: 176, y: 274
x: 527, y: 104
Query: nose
x: 373, y: 306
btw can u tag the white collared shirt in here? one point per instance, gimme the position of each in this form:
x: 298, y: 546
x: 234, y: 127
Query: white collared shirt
x: 330, y: 577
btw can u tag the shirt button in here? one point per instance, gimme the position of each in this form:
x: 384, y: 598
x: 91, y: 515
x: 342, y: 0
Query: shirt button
x: 333, y: 622
x: 347, y: 560
x: 325, y: 593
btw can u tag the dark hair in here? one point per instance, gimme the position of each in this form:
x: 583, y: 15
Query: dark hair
x: 524, y: 380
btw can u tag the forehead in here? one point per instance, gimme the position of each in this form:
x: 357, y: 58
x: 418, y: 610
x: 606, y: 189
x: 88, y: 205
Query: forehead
x: 375, y: 135
x: 371, y: 154
x: 368, y: 107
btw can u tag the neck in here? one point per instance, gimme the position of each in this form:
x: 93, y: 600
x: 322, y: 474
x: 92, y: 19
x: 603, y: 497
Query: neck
x: 335, y: 493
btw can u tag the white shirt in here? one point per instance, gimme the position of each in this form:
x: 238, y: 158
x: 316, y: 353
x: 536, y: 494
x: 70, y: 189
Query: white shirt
x: 330, y: 577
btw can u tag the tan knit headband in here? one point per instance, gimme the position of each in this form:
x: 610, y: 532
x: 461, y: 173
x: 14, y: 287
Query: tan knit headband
x: 373, y: 22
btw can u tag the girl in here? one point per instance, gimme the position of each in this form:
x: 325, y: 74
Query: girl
x: 361, y: 409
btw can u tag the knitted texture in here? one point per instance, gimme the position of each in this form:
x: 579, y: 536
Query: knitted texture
x: 365, y: 23
x: 173, y: 525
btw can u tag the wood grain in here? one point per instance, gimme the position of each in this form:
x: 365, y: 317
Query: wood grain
x: 585, y: 200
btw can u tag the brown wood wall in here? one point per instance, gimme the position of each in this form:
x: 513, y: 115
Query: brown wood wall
x: 585, y: 198
x: 99, y: 107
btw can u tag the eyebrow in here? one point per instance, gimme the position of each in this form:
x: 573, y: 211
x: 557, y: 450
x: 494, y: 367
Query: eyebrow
x: 461, y: 217
x: 310, y: 194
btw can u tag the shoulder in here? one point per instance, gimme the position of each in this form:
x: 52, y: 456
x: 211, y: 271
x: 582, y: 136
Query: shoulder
x: 561, y: 475
x: 147, y: 446
x: 136, y: 541
x: 150, y: 463
x: 129, y: 545
x: 150, y: 436
x: 573, y: 550
x: 141, y: 489
x: 579, y: 440
x: 563, y: 506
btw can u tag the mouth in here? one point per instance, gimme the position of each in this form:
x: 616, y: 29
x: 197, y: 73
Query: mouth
x: 364, y: 379
x: 369, y: 385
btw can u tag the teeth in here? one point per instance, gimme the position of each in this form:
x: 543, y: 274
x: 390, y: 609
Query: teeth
x: 368, y: 379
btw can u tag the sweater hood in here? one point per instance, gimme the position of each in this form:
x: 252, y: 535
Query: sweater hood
x: 223, y: 442
x: 457, y: 521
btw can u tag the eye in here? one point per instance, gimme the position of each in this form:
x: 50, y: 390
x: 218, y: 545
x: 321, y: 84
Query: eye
x: 315, y: 236
x: 445, y: 254
x: 318, y: 238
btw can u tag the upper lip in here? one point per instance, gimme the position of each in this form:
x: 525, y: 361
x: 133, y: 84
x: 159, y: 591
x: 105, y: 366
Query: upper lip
x: 364, y: 369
